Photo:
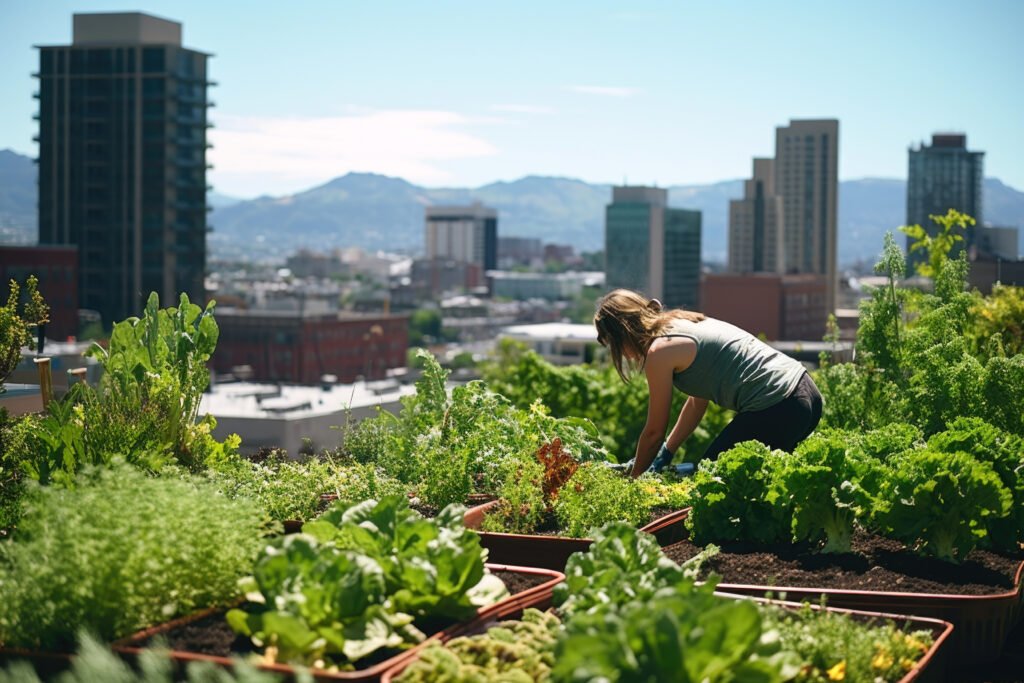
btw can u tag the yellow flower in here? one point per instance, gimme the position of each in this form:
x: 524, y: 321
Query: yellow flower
x: 907, y: 663
x: 837, y: 672
x: 881, y: 661
x: 913, y: 642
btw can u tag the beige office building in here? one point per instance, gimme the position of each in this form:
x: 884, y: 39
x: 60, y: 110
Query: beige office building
x: 755, y: 224
x: 806, y: 178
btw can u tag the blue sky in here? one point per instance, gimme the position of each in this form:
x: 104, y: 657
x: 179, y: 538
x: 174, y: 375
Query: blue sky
x: 466, y: 93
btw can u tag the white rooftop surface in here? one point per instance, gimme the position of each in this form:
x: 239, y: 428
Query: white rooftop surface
x: 296, y: 402
x: 553, y: 331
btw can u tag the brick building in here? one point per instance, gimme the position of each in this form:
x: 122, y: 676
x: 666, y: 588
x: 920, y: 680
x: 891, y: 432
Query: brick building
x: 56, y: 268
x: 287, y: 346
x: 781, y: 307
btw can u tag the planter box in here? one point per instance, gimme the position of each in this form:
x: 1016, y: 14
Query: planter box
x: 928, y: 669
x: 21, y: 399
x: 983, y: 622
x: 46, y: 664
x: 536, y: 596
x: 552, y: 552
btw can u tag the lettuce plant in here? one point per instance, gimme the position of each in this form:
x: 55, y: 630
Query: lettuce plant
x: 941, y: 504
x: 1004, y: 452
x: 734, y: 499
x: 364, y: 578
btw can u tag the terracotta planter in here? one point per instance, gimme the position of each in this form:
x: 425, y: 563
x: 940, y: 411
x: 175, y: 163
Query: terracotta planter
x: 537, y: 596
x: 928, y: 669
x: 983, y: 622
x: 552, y: 552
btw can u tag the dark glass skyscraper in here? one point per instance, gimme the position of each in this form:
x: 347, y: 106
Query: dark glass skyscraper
x: 941, y: 177
x: 651, y: 248
x: 122, y: 160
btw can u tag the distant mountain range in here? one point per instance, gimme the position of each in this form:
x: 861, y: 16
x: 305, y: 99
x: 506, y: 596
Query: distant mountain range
x: 380, y: 212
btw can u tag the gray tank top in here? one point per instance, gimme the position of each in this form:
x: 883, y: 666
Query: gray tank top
x: 734, y: 368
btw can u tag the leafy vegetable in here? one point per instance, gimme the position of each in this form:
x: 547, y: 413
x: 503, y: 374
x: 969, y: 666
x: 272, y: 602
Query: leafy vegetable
x: 734, y: 499
x: 596, y: 495
x: 942, y: 503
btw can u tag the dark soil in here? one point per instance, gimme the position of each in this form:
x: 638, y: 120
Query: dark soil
x: 517, y: 583
x: 876, y: 564
x: 211, y: 635
x: 549, y: 526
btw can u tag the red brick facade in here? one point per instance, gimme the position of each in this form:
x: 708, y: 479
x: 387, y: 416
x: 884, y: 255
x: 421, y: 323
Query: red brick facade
x: 57, y: 271
x: 287, y: 347
x: 781, y: 307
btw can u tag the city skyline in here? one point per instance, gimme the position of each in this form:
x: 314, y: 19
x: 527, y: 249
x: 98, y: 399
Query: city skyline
x: 461, y: 95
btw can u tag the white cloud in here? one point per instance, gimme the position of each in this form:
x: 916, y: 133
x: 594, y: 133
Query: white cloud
x: 522, y: 108
x: 266, y: 155
x: 604, y: 90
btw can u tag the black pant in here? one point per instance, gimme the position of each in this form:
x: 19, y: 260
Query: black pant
x: 782, y: 425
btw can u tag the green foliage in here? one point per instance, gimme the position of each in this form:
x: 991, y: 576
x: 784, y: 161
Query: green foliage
x: 16, y: 327
x: 854, y: 652
x: 159, y: 361
x: 820, y: 483
x: 145, y: 407
x: 357, y: 579
x: 448, y: 447
x: 939, y: 245
x: 734, y: 499
x: 685, y: 633
x: 119, y: 552
x: 999, y: 317
x: 290, y: 489
x: 424, y: 327
x: 513, y: 652
x: 596, y: 495
x: 889, y: 440
x: 844, y: 385
x: 521, y: 502
x: 941, y: 503
x: 1004, y: 452
x: 95, y: 662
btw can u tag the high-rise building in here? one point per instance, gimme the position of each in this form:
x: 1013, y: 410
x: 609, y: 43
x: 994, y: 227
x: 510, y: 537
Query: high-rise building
x: 122, y: 160
x: 807, y: 180
x: 940, y: 177
x: 651, y: 248
x: 755, y: 224
x: 463, y: 233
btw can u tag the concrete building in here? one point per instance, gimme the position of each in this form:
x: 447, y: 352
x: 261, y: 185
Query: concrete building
x: 431, y: 278
x: 285, y: 416
x: 778, y: 306
x: 755, y: 224
x: 558, y: 343
x: 56, y: 268
x: 122, y: 160
x: 991, y: 242
x: 463, y: 233
x: 519, y: 251
x: 302, y: 346
x: 806, y: 174
x: 652, y: 248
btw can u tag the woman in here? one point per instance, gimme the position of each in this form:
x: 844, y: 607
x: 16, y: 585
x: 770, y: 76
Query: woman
x: 710, y: 360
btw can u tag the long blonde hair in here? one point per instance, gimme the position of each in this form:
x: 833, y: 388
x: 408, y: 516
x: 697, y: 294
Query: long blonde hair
x: 629, y: 321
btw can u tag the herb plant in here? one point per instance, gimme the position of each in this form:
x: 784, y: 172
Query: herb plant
x: 16, y: 326
x: 120, y: 552
x: 596, y: 495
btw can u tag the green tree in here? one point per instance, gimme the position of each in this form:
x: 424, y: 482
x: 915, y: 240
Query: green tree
x: 939, y: 245
x: 16, y: 327
x: 424, y: 327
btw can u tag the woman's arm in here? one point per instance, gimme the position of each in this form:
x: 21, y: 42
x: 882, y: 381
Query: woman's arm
x: 658, y: 369
x: 689, y: 417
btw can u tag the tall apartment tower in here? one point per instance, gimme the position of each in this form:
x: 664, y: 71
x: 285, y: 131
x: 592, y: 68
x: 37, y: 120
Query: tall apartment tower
x: 807, y: 180
x: 755, y: 224
x: 652, y: 248
x: 463, y: 233
x: 122, y: 160
x: 941, y: 177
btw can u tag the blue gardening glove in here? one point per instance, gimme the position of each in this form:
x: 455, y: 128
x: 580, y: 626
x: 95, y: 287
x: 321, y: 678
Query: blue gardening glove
x: 662, y: 460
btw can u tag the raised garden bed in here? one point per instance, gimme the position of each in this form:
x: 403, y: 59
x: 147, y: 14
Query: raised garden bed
x: 551, y: 550
x: 928, y: 669
x: 982, y: 597
x: 206, y: 636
